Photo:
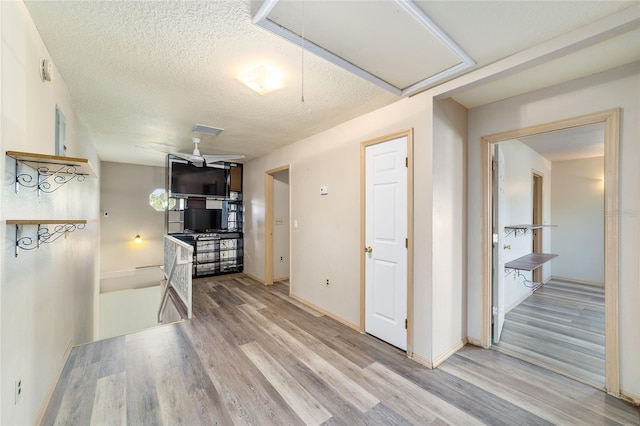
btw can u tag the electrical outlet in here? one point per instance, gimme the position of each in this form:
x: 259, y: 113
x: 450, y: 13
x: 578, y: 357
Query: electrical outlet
x: 281, y: 258
x: 327, y: 283
x: 18, y: 391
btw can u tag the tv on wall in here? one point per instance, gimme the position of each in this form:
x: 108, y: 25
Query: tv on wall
x: 189, y: 180
x: 203, y: 220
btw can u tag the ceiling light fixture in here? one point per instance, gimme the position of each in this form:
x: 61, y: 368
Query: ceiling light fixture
x: 262, y: 79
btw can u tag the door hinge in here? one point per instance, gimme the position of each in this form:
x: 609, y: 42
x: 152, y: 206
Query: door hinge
x: 406, y: 243
x: 406, y: 161
x: 493, y: 164
x: 405, y: 324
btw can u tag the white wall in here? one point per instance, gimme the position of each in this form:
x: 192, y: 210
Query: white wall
x: 281, y: 226
x: 520, y: 163
x: 327, y: 240
x: 615, y: 88
x: 449, y: 226
x: 46, y: 295
x: 124, y: 193
x: 577, y: 203
x: 128, y: 311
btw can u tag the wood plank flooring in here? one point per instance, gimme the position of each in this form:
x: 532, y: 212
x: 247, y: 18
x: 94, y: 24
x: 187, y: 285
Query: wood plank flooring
x: 560, y: 327
x: 253, y: 356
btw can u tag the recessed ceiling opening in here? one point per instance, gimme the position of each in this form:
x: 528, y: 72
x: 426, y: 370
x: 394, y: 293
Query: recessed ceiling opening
x: 374, y: 48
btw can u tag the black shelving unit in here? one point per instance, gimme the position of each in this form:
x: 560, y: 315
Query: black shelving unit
x: 216, y: 251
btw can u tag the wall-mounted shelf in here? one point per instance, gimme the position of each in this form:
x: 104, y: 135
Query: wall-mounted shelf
x: 43, y: 234
x: 530, y: 262
x: 51, y: 171
x: 518, y: 230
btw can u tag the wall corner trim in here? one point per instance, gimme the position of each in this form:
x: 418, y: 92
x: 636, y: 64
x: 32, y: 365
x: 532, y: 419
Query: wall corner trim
x: 422, y: 361
x: 452, y: 350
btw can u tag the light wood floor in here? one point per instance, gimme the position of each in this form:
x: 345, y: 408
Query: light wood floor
x: 254, y: 356
x: 560, y: 327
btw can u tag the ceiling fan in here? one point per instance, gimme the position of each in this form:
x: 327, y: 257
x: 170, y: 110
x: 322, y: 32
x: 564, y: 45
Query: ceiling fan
x: 196, y: 157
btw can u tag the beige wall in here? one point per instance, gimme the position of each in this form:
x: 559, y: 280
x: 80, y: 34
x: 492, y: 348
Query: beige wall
x: 326, y: 243
x: 124, y: 193
x: 449, y: 226
x: 615, y: 88
x: 577, y: 203
x: 46, y: 295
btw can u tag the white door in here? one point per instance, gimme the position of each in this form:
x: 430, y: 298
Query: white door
x: 385, y: 241
x: 498, y: 243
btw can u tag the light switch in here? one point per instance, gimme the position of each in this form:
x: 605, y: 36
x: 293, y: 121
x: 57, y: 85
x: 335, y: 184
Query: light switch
x: 295, y: 223
x: 324, y: 190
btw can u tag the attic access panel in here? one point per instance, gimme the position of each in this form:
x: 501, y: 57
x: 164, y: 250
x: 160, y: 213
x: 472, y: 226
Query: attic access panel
x: 394, y: 45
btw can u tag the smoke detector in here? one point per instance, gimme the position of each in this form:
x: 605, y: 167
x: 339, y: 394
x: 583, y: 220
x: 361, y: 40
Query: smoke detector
x: 46, y: 70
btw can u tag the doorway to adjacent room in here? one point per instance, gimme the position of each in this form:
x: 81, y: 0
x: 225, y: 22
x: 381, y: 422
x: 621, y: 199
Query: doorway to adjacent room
x: 494, y: 239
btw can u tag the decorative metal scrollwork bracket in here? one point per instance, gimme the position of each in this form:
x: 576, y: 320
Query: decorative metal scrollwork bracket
x: 44, y: 235
x: 516, y: 231
x: 47, y: 179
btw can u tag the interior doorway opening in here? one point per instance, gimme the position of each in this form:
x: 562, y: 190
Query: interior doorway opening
x: 277, y: 208
x: 536, y: 214
x: 610, y: 120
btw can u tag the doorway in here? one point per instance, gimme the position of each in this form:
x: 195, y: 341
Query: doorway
x: 610, y: 119
x: 536, y: 214
x: 281, y: 226
x: 386, y: 228
x: 276, y: 191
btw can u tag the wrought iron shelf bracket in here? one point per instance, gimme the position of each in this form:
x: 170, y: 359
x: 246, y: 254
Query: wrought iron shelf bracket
x: 46, y: 232
x: 48, y: 173
x: 520, y: 230
x: 525, y: 281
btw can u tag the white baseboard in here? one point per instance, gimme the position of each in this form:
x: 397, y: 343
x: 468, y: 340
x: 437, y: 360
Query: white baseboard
x: 629, y: 397
x: 519, y: 301
x: 52, y: 388
x: 440, y: 359
x: 327, y: 313
x: 253, y: 277
x: 474, y: 342
x: 452, y: 350
x: 423, y: 361
x: 572, y: 280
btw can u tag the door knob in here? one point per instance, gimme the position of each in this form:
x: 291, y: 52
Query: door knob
x: 368, y: 249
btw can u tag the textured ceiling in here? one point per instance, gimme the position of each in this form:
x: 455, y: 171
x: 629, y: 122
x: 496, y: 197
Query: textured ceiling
x: 146, y: 72
x: 143, y: 73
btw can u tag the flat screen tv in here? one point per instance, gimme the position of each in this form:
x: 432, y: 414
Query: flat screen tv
x: 202, y: 220
x: 189, y: 180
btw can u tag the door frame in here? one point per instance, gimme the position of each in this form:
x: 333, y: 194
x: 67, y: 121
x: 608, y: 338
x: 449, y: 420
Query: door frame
x: 611, y: 120
x: 537, y: 183
x: 268, y: 223
x: 363, y: 145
